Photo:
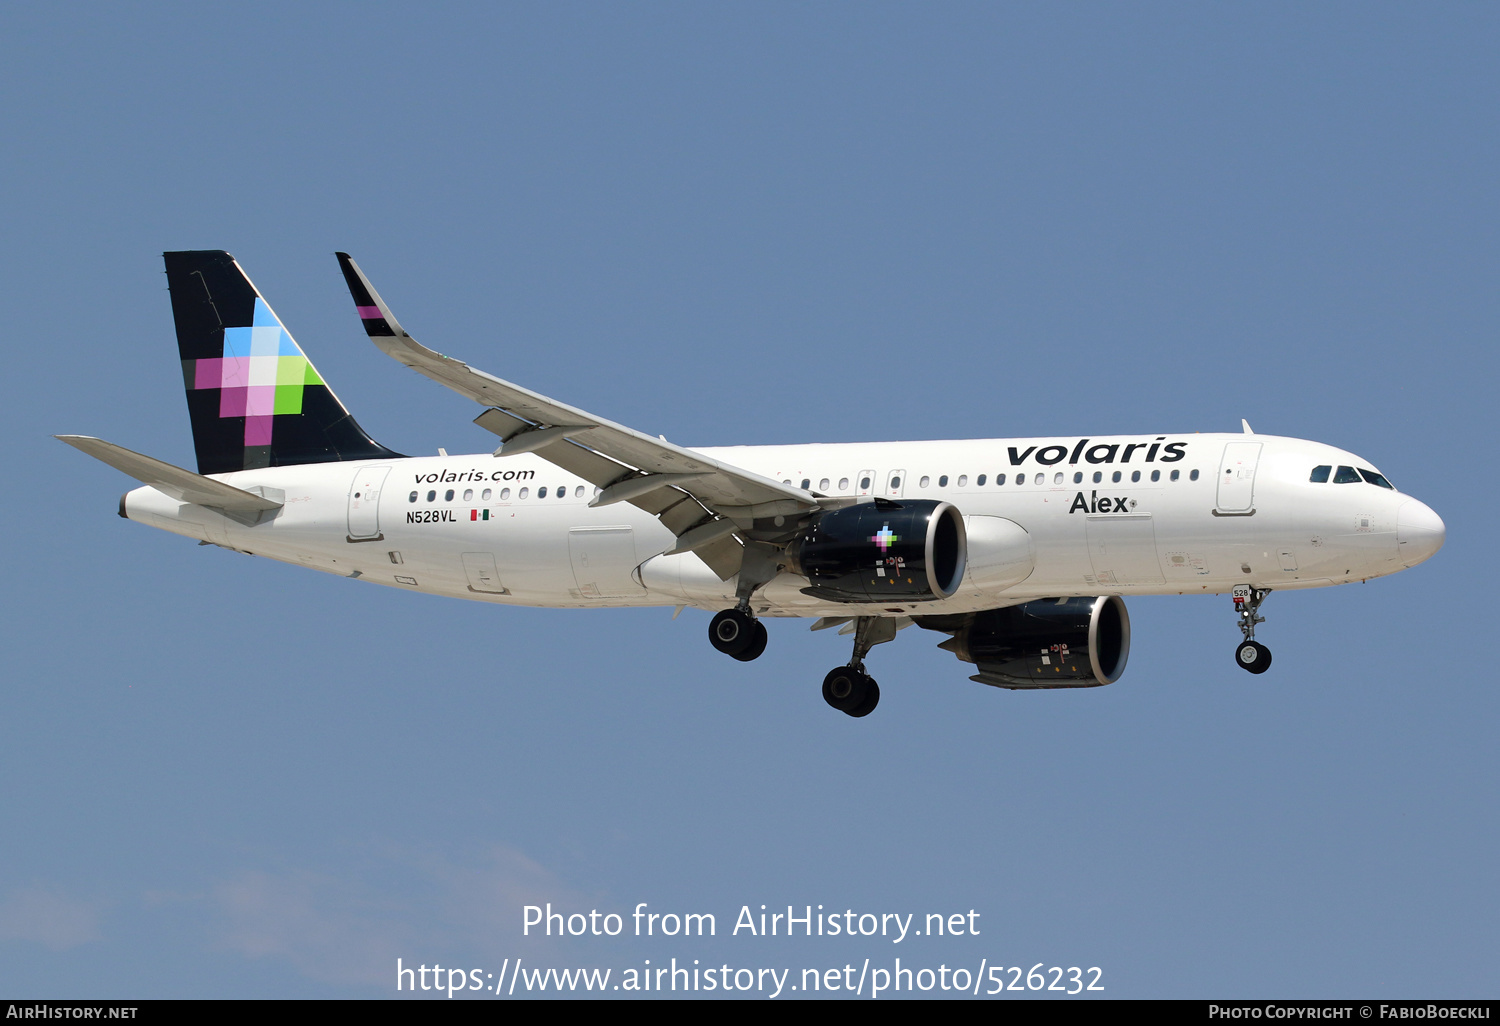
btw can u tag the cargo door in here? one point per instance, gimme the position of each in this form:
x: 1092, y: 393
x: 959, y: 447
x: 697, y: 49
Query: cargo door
x: 1237, y: 477
x: 364, y: 503
x: 1122, y: 547
x: 604, y: 561
x: 479, y: 568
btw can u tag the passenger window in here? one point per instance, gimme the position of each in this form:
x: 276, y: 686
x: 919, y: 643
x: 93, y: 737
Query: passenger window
x: 578, y: 492
x: 806, y: 483
x: 523, y: 493
x: 413, y: 497
x: 1192, y: 476
x: 486, y: 495
x: 1078, y: 477
x: 541, y: 493
x: 1346, y: 475
x: 895, y: 483
x: 468, y: 495
x: 787, y: 481
x: 980, y: 481
x: 1135, y: 475
x: 504, y: 493
x: 562, y: 491
x: 1041, y: 479
x: 1057, y: 478
x: 1375, y: 479
x: 925, y: 481
x: 1098, y: 476
x: 1155, y: 475
x: 864, y: 483
x: 1115, y: 477
x: 1320, y: 474
x: 1020, y: 479
x: 843, y: 484
x: 823, y: 485
x: 943, y: 481
x: 448, y: 495
x: 999, y: 480
x: 432, y: 496
x: 963, y: 479
x: 1176, y: 474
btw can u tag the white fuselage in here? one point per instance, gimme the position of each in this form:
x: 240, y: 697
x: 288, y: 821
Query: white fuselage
x: 1240, y: 511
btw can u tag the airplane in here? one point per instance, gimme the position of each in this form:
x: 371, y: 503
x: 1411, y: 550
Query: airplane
x: 1020, y: 550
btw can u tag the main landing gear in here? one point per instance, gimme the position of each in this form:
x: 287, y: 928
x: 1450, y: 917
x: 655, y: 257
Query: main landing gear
x: 1251, y: 654
x: 736, y: 633
x: 849, y: 689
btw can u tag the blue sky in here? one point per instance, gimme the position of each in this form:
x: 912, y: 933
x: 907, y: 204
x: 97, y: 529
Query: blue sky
x: 733, y: 224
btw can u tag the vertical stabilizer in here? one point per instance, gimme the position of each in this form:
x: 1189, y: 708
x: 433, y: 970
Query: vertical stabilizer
x: 254, y: 399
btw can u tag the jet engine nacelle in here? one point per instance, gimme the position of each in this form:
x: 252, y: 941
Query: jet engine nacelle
x: 882, y: 551
x: 1048, y: 643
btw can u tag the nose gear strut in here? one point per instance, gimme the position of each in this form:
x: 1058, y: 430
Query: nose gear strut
x: 1251, y: 654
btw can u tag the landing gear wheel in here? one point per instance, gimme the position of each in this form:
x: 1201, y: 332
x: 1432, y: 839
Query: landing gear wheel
x: 850, y: 691
x: 1253, y: 656
x: 872, y: 699
x: 732, y: 632
x: 757, y: 644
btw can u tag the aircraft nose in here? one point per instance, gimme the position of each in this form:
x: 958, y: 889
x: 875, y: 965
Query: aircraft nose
x: 1419, y: 532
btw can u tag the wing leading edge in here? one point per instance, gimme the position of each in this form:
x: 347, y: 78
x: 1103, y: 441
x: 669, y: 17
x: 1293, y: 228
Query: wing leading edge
x: 707, y: 504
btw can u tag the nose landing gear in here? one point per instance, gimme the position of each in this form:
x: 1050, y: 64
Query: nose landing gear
x: 849, y: 689
x: 1251, y: 654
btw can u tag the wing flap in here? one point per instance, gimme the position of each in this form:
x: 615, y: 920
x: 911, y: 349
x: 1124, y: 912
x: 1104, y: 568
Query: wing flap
x: 593, y: 467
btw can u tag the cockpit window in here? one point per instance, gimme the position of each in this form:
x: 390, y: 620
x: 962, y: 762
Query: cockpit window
x: 1320, y: 474
x: 1376, y: 479
x: 1346, y: 475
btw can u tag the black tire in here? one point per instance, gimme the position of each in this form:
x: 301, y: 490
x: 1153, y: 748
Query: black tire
x: 1253, y: 657
x: 757, y: 644
x: 845, y: 688
x: 731, y: 631
x: 872, y: 699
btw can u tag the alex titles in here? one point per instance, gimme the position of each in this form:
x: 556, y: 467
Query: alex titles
x: 1097, y: 504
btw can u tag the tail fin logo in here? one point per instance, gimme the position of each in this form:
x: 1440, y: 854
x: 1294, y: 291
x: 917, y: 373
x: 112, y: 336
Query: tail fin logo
x: 261, y: 374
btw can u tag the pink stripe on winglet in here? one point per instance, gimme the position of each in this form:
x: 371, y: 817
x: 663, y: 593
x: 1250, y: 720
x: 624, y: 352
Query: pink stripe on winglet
x: 368, y: 313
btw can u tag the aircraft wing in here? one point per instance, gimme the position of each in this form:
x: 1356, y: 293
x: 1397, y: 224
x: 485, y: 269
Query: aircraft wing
x: 702, y: 500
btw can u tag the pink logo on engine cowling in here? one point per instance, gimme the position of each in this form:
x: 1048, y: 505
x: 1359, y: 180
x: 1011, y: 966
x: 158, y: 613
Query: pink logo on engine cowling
x: 884, y: 538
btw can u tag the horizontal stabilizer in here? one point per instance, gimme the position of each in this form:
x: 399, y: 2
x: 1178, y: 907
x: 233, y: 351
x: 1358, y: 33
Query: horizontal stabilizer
x: 182, y: 485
